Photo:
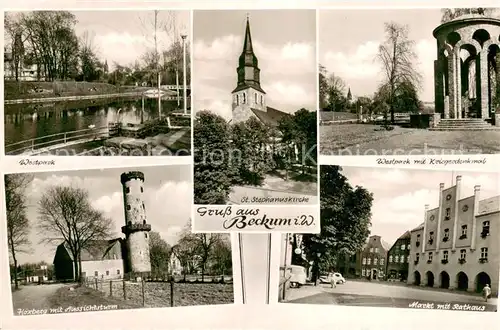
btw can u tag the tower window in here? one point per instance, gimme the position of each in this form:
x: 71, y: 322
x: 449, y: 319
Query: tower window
x: 146, y: 235
x: 261, y: 99
x: 107, y: 273
x: 143, y: 222
x: 128, y: 207
x: 244, y: 98
x: 237, y: 99
x: 256, y: 100
x: 117, y: 272
x: 447, y: 216
x: 129, y: 223
x: 127, y: 190
x: 142, y: 189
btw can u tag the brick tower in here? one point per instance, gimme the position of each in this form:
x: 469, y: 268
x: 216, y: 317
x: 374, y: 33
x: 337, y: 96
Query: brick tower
x: 136, y: 229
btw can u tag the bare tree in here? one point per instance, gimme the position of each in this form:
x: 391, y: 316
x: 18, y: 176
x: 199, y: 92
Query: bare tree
x: 65, y: 214
x: 398, y: 60
x: 205, y: 244
x: 14, y: 30
x: 18, y: 226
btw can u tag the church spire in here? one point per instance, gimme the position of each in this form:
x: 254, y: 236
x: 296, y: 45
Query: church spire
x: 247, y: 45
x: 248, y: 64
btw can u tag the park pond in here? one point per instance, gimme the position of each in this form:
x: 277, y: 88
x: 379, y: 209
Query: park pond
x: 35, y: 120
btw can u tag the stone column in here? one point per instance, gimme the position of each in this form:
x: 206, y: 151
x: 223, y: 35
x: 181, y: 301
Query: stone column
x: 483, y: 78
x: 455, y: 212
x: 423, y: 238
x: 439, y: 217
x: 452, y: 85
x: 458, y: 90
x: 439, y: 90
x: 477, y: 196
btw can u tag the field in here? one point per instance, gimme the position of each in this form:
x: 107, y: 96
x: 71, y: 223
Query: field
x: 367, y: 139
x: 157, y: 294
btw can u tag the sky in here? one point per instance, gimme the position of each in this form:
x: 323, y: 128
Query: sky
x: 123, y: 36
x: 284, y: 42
x: 349, y: 41
x: 400, y: 195
x: 167, y: 192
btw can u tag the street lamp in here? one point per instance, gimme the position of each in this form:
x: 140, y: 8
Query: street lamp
x: 184, y: 93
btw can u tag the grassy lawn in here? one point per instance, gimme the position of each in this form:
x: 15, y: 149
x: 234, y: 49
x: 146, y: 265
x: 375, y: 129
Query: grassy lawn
x: 64, y: 300
x: 366, y: 139
x: 157, y: 294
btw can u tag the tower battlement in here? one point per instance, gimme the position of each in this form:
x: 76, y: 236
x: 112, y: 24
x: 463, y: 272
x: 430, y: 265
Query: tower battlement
x: 135, y: 227
x: 125, y: 177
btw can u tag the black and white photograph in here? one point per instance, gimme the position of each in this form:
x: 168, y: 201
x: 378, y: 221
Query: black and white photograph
x: 108, y: 239
x: 255, y: 100
x: 401, y: 238
x: 417, y: 81
x: 97, y: 83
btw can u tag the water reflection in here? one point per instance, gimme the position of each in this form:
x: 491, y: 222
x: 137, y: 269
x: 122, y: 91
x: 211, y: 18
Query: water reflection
x: 27, y: 121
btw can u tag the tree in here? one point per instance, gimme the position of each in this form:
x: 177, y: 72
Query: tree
x: 345, y: 220
x: 14, y: 30
x: 204, y: 244
x: 221, y: 254
x: 300, y: 130
x: 397, y: 57
x: 185, y: 250
x: 88, y: 58
x: 250, y: 138
x: 212, y: 160
x: 53, y: 43
x: 18, y: 226
x: 335, y: 93
x: 66, y: 214
x: 159, y: 252
x: 449, y: 14
x: 323, y: 87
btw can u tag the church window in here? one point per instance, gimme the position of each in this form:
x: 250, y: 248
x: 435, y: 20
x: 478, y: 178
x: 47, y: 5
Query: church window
x: 244, y: 98
x: 237, y: 99
x: 261, y: 99
x: 256, y: 99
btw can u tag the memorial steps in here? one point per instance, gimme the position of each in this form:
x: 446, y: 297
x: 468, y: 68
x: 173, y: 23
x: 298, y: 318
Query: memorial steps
x: 465, y: 124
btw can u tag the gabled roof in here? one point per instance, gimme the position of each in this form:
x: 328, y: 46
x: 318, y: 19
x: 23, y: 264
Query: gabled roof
x: 385, y: 245
x: 407, y: 234
x: 419, y: 227
x: 99, y: 250
x: 271, y: 117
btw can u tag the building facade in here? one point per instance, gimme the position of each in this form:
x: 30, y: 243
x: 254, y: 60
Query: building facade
x: 248, y: 98
x: 456, y: 247
x: 398, y: 258
x: 369, y: 262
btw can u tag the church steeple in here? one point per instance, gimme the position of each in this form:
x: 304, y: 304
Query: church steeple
x: 248, y: 64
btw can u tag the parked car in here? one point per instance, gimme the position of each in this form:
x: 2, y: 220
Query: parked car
x: 298, y: 276
x: 339, y: 279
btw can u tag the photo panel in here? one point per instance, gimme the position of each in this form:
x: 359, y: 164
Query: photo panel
x: 110, y: 239
x: 400, y: 238
x: 97, y: 83
x: 416, y: 81
x: 255, y: 118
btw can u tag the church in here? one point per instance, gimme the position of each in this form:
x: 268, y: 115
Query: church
x: 120, y: 257
x: 249, y: 98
